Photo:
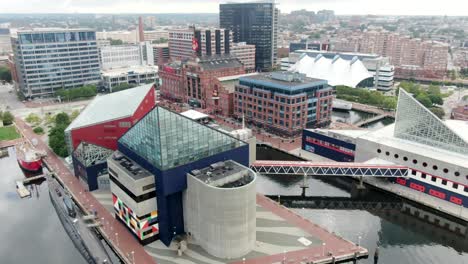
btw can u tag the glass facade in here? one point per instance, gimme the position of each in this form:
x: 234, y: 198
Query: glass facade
x: 50, y: 60
x: 416, y: 123
x: 168, y: 140
x: 254, y: 23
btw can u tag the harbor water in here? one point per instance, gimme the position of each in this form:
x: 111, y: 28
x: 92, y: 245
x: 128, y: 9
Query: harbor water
x: 33, y: 233
x: 352, y: 117
x: 31, y: 230
x: 401, y: 237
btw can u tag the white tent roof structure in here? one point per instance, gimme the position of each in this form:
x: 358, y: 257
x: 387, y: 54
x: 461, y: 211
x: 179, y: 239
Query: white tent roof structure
x: 336, y: 71
x: 194, y: 115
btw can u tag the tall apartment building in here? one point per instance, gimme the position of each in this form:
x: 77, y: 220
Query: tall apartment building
x: 50, y: 59
x: 118, y: 56
x: 126, y: 36
x: 283, y: 102
x: 246, y: 54
x: 254, y: 23
x: 193, y: 42
x: 151, y: 35
x: 411, y: 56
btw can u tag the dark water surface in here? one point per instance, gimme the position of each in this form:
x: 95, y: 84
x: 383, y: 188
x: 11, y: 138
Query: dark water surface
x: 402, y: 238
x: 31, y: 230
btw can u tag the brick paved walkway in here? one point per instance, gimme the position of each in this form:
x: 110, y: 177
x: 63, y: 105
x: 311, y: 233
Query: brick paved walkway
x: 114, y: 231
x: 337, y: 246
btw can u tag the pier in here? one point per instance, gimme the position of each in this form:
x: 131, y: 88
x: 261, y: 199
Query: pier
x: 113, y: 232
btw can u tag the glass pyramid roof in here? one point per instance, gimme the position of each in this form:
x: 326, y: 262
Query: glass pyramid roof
x: 416, y: 123
x: 167, y: 139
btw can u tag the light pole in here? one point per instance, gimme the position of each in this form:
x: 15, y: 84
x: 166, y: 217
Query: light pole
x: 359, y: 241
x: 117, y: 238
x: 323, y: 249
x: 133, y: 257
x: 284, y: 256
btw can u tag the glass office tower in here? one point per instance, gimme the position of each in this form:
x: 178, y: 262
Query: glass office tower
x: 255, y: 23
x: 51, y: 59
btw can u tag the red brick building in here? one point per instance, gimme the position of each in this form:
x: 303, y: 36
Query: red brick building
x: 196, y: 82
x: 283, y: 102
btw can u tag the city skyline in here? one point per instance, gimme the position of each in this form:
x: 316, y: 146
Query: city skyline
x: 341, y: 7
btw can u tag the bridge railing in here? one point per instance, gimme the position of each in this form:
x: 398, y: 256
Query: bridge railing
x: 348, y: 169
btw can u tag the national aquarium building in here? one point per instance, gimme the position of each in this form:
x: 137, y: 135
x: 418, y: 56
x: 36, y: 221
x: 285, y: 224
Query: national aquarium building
x: 174, y: 148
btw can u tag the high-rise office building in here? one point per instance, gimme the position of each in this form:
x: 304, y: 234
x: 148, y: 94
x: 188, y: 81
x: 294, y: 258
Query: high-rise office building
x: 50, y: 59
x: 254, y: 23
x: 197, y: 42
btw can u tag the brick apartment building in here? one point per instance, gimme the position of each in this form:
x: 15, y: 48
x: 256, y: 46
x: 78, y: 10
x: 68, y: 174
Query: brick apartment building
x: 196, y: 82
x: 412, y: 57
x: 283, y: 102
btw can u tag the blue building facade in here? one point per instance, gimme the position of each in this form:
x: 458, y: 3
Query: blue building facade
x: 169, y: 146
x: 89, y: 163
x: 328, y: 146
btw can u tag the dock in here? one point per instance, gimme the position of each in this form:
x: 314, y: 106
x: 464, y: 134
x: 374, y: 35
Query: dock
x: 113, y: 232
x: 21, y: 190
x: 371, y: 120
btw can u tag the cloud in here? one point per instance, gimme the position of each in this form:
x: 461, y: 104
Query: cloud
x: 399, y: 7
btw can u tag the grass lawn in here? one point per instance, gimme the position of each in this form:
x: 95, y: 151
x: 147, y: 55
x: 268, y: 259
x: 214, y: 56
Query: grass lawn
x: 8, y: 133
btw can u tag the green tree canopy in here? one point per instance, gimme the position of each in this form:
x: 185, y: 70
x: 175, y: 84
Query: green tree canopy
x: 424, y: 100
x: 5, y: 74
x: 7, y: 118
x: 439, y: 112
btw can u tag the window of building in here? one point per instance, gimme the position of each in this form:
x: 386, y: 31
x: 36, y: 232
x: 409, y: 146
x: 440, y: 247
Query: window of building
x: 424, y: 164
x: 455, y: 185
x: 445, y: 170
x: 405, y: 158
x: 413, y: 172
x: 379, y: 150
x: 387, y: 153
x: 456, y: 173
x: 147, y: 187
x: 396, y: 156
x: 113, y: 173
x: 415, y: 161
x: 466, y: 189
x: 423, y: 175
x: 433, y: 179
x: 444, y: 182
x: 434, y: 167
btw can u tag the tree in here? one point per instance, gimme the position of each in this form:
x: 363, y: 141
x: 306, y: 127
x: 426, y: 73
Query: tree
x: 33, y: 119
x: 62, y: 119
x: 74, y: 115
x: 5, y: 74
x: 436, y: 99
x: 57, y: 135
x: 439, y: 112
x: 116, y: 41
x: 7, y: 118
x: 38, y: 130
x: 424, y: 100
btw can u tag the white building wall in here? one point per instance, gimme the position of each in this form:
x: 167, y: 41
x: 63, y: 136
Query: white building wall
x: 221, y: 220
x: 120, y: 56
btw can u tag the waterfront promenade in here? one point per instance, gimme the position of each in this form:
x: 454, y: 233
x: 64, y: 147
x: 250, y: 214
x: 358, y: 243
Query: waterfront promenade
x: 112, y: 230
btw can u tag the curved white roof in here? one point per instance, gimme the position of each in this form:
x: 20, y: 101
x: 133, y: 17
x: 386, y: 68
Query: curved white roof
x: 336, y: 71
x: 111, y: 107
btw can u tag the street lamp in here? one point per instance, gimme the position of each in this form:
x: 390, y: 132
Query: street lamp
x: 133, y: 257
x: 117, y: 238
x: 359, y: 241
x: 323, y: 249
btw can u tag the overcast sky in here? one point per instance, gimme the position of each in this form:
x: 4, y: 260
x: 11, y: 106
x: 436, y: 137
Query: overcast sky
x: 342, y: 7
